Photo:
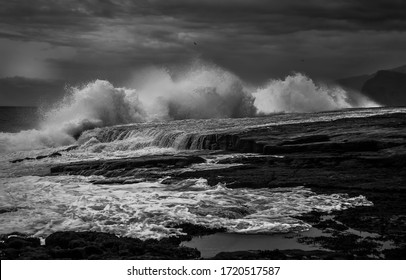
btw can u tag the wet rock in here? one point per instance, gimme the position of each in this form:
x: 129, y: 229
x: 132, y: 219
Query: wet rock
x: 8, y: 209
x: 117, y: 167
x: 62, y: 239
x: 305, y: 139
x: 245, y: 160
x: 330, y: 224
x: 346, y: 243
x: 12, y: 246
x: 364, y: 156
x: 395, y: 254
x: 328, y: 147
x: 56, y: 154
x: 94, y: 245
x: 21, y: 159
x: 115, y: 181
x: 20, y: 242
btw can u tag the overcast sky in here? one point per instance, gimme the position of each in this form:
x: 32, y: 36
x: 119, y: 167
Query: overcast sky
x: 49, y: 43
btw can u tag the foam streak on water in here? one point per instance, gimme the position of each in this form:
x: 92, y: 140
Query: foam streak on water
x: 151, y: 209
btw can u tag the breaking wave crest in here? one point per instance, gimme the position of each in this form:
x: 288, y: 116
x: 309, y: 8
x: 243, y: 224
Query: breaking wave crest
x: 298, y: 93
x: 96, y: 104
x: 201, y: 92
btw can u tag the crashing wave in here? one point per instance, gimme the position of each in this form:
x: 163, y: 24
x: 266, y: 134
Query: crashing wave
x: 202, y: 92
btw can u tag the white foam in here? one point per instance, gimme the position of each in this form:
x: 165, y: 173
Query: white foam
x: 150, y: 209
x: 298, y: 93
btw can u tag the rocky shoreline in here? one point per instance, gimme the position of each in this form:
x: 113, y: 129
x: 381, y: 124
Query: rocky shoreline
x: 362, y: 156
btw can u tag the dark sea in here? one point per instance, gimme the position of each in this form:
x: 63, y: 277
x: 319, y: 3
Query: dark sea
x: 15, y: 119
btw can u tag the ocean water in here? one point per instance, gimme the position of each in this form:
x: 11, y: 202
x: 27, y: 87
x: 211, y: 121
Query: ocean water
x: 16, y: 119
x: 165, y: 114
x: 44, y: 204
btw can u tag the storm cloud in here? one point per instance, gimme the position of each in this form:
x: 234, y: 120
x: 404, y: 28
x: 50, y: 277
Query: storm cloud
x: 77, y: 41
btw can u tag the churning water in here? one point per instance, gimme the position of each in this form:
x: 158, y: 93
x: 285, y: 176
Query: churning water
x: 168, y: 115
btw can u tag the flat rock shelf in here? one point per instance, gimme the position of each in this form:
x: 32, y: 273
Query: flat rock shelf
x: 355, y: 156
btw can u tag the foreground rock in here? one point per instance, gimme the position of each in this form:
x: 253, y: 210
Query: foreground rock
x: 364, y: 156
x: 96, y: 245
x: 93, y: 245
x: 99, y: 245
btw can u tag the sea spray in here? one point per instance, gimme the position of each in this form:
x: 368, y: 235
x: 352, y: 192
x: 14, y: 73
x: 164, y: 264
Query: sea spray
x: 298, y: 93
x: 96, y: 104
x: 201, y: 92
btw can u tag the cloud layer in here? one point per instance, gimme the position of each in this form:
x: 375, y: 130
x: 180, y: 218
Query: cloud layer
x: 79, y: 41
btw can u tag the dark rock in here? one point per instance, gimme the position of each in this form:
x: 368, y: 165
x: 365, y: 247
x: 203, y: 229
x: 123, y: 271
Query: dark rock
x: 306, y: 139
x: 10, y: 253
x: 395, y: 254
x: 93, y: 250
x: 8, y: 209
x: 14, y: 246
x: 197, y: 230
x: 21, y: 159
x: 69, y: 254
x: 19, y: 242
x: 245, y: 160
x: 331, y: 147
x: 62, y: 239
x: 116, y: 167
x: 75, y: 243
x: 56, y: 154
x: 330, y: 224
x: 38, y: 253
x: 348, y: 243
x: 311, y: 217
x: 94, y: 245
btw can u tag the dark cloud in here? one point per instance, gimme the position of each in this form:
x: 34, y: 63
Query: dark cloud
x: 256, y: 39
x: 39, y: 18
